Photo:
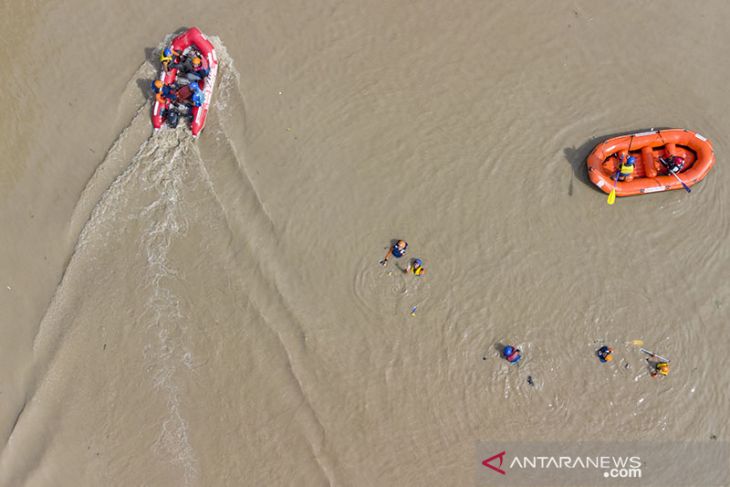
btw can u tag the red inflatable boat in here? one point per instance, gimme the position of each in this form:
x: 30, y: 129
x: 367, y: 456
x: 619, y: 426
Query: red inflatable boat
x: 650, y: 149
x: 186, y: 43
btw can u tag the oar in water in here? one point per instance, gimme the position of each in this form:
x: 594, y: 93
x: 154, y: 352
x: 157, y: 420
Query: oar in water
x: 655, y: 355
x: 666, y: 164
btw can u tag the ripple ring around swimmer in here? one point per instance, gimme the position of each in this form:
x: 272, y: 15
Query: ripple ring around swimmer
x: 387, y: 289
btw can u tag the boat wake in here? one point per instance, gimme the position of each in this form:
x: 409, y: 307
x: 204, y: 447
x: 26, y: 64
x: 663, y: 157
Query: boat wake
x: 152, y: 218
x: 132, y: 213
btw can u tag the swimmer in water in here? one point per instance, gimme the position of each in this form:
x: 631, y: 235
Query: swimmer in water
x: 660, y: 368
x: 605, y: 354
x: 416, y: 267
x: 398, y: 250
x: 511, y: 354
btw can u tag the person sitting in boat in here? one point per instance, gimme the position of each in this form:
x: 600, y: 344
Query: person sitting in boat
x: 626, y: 171
x: 605, y: 354
x: 197, y: 97
x: 673, y: 164
x: 167, y: 56
x: 163, y: 92
x: 398, y: 250
x: 511, y: 354
x: 171, y: 116
x: 416, y: 267
x: 194, y: 69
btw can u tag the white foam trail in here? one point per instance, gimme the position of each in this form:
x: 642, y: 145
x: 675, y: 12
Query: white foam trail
x: 149, y: 195
x: 166, y: 163
x: 157, y: 174
x: 168, y: 157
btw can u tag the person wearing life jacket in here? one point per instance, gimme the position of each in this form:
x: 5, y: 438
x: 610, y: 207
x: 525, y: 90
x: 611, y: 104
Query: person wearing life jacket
x: 673, y: 164
x: 605, y: 354
x: 163, y: 92
x: 197, y: 97
x: 660, y: 368
x: 172, y: 116
x: 169, y: 93
x: 416, y: 267
x: 626, y: 171
x: 197, y: 70
x: 511, y: 354
x: 157, y: 86
x: 166, y: 57
x: 398, y: 250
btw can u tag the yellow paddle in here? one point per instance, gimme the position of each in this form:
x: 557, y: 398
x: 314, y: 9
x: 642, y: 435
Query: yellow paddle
x: 612, y: 195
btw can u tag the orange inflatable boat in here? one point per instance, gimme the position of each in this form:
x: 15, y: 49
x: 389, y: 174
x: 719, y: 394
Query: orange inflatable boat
x: 650, y: 175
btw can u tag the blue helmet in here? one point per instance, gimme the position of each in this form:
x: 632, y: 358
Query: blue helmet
x: 168, y: 51
x: 508, y: 351
x: 631, y: 160
x: 195, y: 86
x: 418, y: 262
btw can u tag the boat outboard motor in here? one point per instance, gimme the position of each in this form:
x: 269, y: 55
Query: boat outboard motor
x: 172, y: 117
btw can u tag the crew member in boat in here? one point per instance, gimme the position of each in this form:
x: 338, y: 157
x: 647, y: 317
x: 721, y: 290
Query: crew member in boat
x: 163, y: 92
x: 197, y: 97
x: 171, y: 115
x: 193, y: 68
x: 673, y: 164
x: 199, y: 71
x: 626, y: 170
x: 167, y: 56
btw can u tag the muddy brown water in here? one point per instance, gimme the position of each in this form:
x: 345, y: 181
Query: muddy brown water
x: 211, y: 312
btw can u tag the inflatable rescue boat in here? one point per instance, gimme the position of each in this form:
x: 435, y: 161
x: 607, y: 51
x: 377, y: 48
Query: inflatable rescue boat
x: 651, y: 151
x: 190, y: 43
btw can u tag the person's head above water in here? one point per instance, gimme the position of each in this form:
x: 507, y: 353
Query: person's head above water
x: 168, y: 52
x: 397, y: 250
x: 511, y: 354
